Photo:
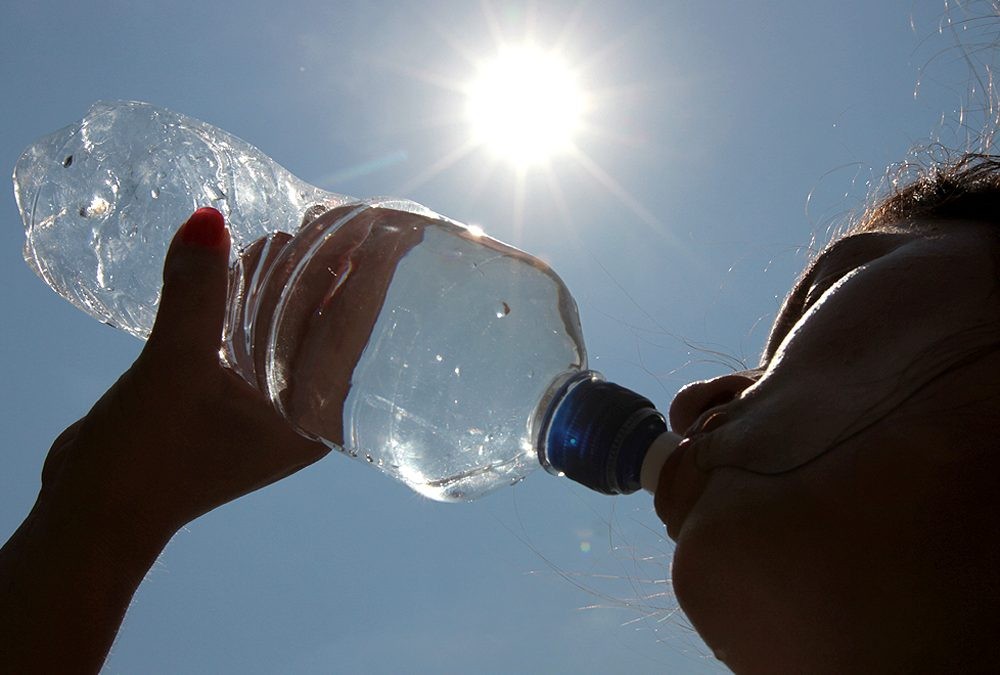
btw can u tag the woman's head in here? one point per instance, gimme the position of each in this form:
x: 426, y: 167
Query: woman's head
x: 837, y: 505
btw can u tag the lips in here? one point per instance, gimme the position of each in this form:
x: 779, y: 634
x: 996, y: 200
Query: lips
x: 681, y: 484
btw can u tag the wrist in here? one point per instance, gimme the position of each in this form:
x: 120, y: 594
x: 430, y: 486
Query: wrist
x: 67, y: 576
x: 95, y: 527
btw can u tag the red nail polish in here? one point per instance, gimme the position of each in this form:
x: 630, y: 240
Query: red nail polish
x: 205, y: 227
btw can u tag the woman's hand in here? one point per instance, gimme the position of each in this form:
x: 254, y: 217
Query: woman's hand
x: 176, y: 436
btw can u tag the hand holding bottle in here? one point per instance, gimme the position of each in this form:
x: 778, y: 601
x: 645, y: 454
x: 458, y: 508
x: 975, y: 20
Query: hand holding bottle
x: 178, y: 434
x: 331, y: 312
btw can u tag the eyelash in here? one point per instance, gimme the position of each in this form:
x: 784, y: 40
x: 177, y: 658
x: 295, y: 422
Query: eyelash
x: 815, y: 292
x: 851, y: 253
x: 817, y: 289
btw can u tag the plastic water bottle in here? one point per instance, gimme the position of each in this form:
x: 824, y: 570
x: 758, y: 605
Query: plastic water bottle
x: 445, y: 358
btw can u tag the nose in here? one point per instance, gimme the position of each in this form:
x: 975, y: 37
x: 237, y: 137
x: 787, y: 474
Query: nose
x: 694, y: 399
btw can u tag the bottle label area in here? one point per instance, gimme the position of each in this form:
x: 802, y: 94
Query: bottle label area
x: 407, y: 341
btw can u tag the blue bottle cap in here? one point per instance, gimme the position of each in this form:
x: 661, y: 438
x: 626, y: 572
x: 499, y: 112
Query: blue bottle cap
x: 598, y: 435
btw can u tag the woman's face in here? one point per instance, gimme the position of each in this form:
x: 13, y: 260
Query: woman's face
x: 836, y: 506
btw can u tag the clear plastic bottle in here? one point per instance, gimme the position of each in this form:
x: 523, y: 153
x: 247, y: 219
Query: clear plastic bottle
x: 445, y: 358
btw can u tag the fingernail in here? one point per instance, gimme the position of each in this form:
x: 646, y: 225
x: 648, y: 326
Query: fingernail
x: 205, y: 227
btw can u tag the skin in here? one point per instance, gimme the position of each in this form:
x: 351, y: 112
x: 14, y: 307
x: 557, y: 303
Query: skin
x: 835, y: 509
x: 175, y: 437
x: 344, y: 286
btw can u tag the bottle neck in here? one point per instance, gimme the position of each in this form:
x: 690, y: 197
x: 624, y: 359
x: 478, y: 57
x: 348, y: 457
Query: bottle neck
x: 656, y: 457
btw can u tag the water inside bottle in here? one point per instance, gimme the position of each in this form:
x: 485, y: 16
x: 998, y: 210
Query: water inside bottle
x: 407, y: 340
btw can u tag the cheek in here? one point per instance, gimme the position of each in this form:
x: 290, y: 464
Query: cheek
x: 930, y: 494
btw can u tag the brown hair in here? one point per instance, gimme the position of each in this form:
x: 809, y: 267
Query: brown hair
x: 966, y: 189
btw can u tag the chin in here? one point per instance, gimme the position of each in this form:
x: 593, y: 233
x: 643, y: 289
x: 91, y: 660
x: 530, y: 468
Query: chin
x: 760, y: 609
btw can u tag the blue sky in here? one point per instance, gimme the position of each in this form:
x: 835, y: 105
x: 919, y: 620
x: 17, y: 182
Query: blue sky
x: 723, y: 141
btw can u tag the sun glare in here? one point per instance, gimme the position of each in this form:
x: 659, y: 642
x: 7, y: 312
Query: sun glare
x: 525, y: 105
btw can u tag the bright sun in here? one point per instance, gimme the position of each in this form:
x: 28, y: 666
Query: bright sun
x: 525, y: 105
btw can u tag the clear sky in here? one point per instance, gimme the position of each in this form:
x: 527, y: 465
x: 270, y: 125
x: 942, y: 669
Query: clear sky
x: 678, y: 223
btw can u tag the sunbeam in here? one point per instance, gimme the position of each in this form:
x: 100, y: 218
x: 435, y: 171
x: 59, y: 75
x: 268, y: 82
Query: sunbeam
x: 624, y: 196
x: 437, y: 167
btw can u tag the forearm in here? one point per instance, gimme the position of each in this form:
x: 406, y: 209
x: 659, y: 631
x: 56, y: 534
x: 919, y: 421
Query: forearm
x: 66, y: 579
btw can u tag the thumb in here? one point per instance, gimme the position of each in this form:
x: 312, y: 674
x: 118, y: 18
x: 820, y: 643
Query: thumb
x: 192, y: 309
